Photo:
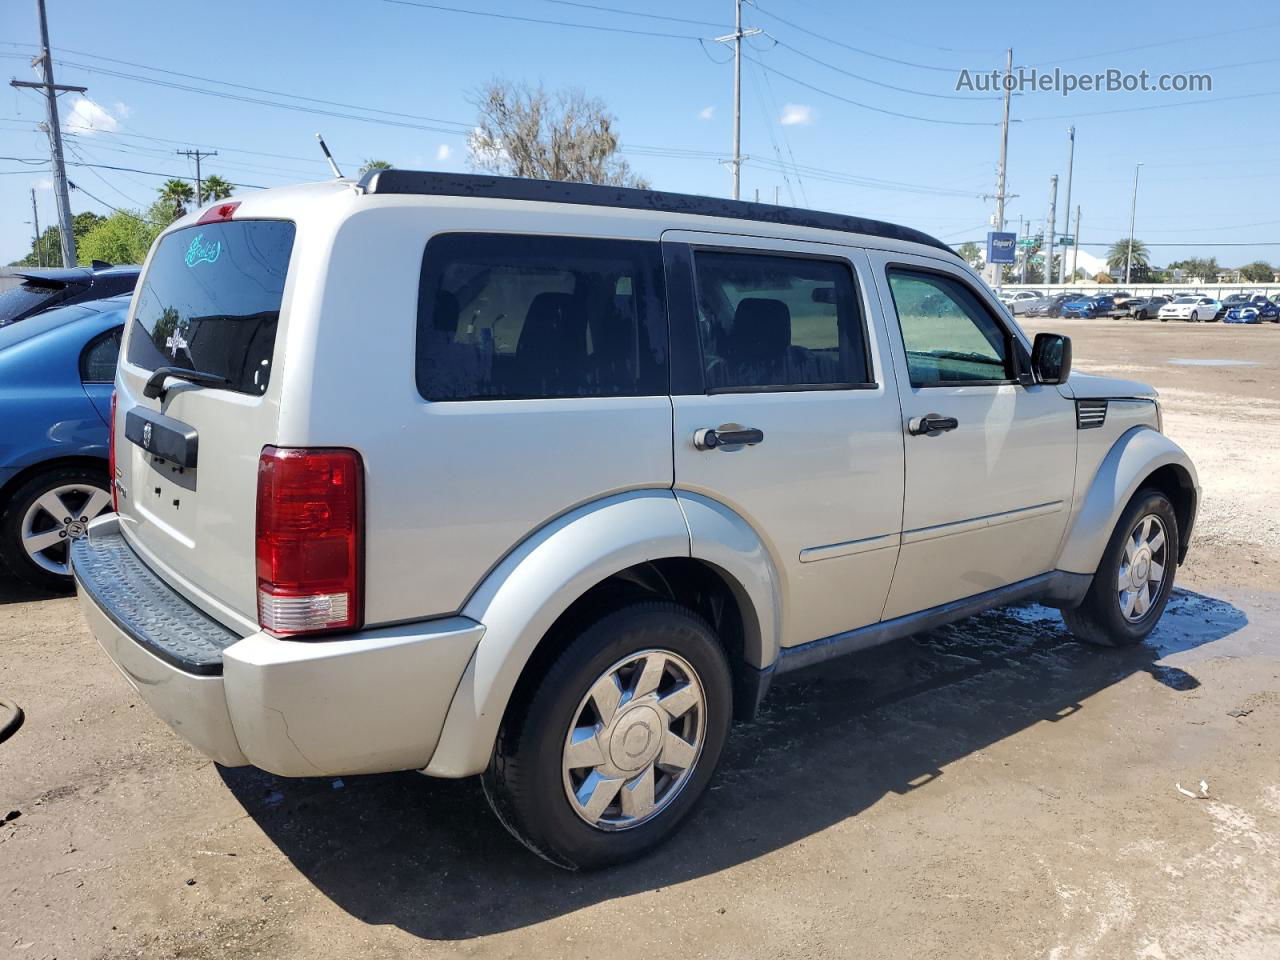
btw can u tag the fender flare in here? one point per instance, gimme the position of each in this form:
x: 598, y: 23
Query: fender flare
x: 521, y: 598
x: 1135, y: 455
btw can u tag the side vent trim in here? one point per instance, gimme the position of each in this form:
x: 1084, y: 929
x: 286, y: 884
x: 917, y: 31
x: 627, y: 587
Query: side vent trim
x: 1090, y: 414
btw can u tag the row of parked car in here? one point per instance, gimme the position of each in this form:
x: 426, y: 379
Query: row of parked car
x: 1195, y: 307
x: 60, y: 332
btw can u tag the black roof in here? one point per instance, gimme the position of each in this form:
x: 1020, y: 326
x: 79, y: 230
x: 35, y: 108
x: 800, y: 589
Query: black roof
x: 590, y: 194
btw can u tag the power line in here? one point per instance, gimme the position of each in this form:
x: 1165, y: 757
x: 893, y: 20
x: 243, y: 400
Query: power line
x: 1154, y: 106
x: 1157, y: 43
x: 864, y: 106
x: 888, y: 86
x: 538, y: 20
x: 637, y: 13
x: 840, y: 43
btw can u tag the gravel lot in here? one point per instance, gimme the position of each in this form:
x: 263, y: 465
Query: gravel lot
x: 988, y: 790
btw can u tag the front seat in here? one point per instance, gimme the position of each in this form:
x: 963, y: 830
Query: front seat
x: 758, y: 345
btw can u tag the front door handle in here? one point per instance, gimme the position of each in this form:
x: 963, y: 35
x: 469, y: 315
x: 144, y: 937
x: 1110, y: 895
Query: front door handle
x: 930, y: 425
x: 708, y: 438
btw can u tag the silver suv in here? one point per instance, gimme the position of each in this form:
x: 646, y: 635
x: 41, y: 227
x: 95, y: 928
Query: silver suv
x: 548, y: 482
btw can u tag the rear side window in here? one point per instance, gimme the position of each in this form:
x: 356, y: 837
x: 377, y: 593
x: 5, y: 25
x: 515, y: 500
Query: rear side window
x: 528, y: 317
x: 98, y: 359
x: 210, y: 301
x: 27, y: 299
x: 777, y: 322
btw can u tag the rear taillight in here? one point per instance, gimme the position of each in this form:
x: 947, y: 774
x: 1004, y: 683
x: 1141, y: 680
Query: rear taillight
x: 309, y: 540
x: 111, y: 456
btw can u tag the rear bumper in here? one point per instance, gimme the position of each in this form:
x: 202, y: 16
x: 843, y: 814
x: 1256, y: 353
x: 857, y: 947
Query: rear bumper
x: 368, y: 702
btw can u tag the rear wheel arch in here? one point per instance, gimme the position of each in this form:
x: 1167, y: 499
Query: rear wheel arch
x: 44, y: 466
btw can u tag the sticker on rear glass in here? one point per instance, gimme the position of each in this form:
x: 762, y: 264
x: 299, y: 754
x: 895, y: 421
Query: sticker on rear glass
x: 201, y: 252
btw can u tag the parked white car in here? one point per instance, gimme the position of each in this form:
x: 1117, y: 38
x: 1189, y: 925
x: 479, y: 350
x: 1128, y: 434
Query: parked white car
x: 1022, y: 301
x: 548, y: 482
x: 1195, y: 308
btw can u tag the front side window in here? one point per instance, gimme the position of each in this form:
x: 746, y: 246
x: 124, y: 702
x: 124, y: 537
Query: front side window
x: 210, y: 301
x: 506, y: 316
x: 778, y: 322
x: 950, y: 337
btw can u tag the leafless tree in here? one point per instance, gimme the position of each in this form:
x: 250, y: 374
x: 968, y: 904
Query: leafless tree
x: 524, y: 132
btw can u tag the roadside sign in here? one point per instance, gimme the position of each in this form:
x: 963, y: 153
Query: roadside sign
x: 1001, y: 247
x: 1066, y: 241
x: 1031, y: 241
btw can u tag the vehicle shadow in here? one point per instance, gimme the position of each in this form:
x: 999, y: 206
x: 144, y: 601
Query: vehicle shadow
x: 13, y: 590
x: 427, y: 856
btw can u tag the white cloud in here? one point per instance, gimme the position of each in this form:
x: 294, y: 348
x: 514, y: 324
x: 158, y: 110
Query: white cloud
x: 794, y: 114
x: 121, y: 110
x: 44, y: 183
x: 88, y: 118
x: 444, y: 152
x: 706, y: 113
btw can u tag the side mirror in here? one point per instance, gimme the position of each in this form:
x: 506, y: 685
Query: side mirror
x: 1051, y: 357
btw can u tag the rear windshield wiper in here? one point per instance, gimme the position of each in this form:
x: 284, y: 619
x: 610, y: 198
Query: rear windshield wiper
x: 155, y: 387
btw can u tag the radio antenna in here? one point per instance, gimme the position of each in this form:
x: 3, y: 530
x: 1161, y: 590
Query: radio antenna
x: 329, y: 156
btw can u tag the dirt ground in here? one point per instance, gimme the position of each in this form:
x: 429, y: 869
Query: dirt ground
x: 989, y: 790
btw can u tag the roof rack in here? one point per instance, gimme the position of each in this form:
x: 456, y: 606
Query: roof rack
x: 430, y: 183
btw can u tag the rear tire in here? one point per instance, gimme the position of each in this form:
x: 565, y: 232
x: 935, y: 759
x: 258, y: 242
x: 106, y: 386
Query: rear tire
x: 585, y: 772
x: 1132, y: 584
x: 1195, y: 317
x: 43, y: 516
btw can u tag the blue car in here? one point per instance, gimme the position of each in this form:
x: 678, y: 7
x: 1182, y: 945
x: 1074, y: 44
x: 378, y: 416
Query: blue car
x: 1097, y: 306
x: 56, y: 374
x: 1257, y: 310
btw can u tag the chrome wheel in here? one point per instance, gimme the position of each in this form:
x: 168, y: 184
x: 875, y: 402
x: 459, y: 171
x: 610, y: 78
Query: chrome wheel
x: 57, y: 517
x: 1142, y: 568
x: 634, y: 740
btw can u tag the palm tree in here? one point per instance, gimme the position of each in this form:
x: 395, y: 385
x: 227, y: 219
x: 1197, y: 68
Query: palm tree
x: 370, y: 165
x: 215, y: 188
x: 177, y: 194
x: 1118, y: 255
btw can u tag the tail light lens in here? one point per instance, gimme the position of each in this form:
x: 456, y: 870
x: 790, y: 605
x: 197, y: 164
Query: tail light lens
x: 111, y: 456
x: 309, y: 540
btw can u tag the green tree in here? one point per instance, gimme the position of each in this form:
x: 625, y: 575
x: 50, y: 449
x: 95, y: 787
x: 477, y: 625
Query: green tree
x: 215, y: 188
x: 1258, y: 272
x: 371, y: 165
x: 524, y: 132
x: 970, y: 253
x: 1203, y: 269
x: 123, y: 237
x: 178, y: 194
x: 1118, y: 255
x: 51, y: 242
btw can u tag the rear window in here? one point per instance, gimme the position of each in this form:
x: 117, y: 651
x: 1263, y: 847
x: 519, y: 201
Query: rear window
x: 21, y: 301
x: 210, y: 301
x: 508, y: 316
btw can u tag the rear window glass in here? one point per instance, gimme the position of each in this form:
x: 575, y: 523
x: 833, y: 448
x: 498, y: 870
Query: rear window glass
x: 528, y: 317
x: 210, y: 301
x: 20, y: 301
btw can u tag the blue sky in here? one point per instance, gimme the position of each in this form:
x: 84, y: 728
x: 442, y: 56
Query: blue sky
x: 1209, y: 176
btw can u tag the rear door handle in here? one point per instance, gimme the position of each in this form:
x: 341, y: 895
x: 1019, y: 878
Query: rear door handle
x: 708, y: 438
x: 930, y: 425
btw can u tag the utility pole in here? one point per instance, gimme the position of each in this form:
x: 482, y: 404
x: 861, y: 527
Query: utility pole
x: 35, y: 220
x: 1049, y: 227
x: 1002, y: 170
x: 1133, y: 211
x: 736, y: 37
x: 199, y: 155
x: 1024, y: 232
x: 51, y: 91
x: 1066, y: 206
x: 1075, y: 248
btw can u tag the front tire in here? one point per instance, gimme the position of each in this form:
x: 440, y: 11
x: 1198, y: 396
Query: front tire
x: 1132, y: 584
x: 43, y: 516
x: 1195, y: 318
x: 609, y: 753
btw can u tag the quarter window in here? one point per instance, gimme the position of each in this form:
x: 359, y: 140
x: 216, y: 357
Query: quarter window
x: 531, y: 317
x: 98, y: 359
x: 778, y: 322
x: 950, y: 337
